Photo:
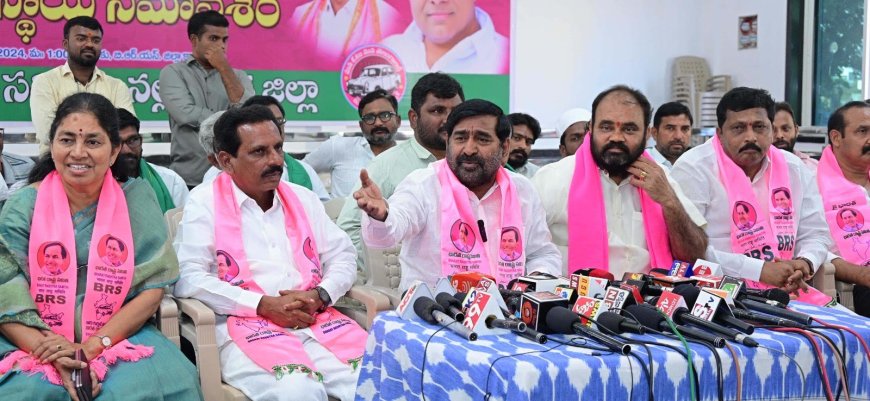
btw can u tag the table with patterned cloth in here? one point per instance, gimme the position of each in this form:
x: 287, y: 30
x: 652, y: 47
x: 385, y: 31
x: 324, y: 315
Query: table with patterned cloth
x: 459, y: 370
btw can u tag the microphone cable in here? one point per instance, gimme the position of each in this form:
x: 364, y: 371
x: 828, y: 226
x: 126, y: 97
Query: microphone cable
x: 838, y: 357
x: 607, y: 351
x: 692, y: 394
x: 819, y: 359
x: 795, y: 363
x: 488, y: 393
x: 736, y: 370
x: 423, y: 364
x: 853, y: 332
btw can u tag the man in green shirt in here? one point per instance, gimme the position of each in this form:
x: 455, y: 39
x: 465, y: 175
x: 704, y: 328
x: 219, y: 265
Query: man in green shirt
x: 432, y: 99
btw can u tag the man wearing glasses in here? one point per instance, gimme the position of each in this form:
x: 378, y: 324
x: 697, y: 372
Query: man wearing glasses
x: 344, y: 157
x: 14, y: 169
x: 169, y: 187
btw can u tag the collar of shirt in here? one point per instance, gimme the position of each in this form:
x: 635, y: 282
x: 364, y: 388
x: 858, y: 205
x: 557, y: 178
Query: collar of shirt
x: 419, y: 150
x: 659, y: 157
x: 242, y: 198
x: 349, y: 7
x: 467, y: 46
x: 66, y: 71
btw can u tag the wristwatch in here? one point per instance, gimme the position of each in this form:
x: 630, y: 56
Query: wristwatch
x: 324, y: 297
x: 810, y: 264
x: 105, y: 341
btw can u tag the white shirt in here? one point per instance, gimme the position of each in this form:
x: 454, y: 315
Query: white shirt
x: 697, y: 171
x: 660, y: 158
x: 343, y: 157
x: 483, y: 52
x: 15, y: 171
x: 174, y: 183
x: 268, y: 249
x: 332, y: 30
x: 316, y: 183
x: 414, y: 220
x: 528, y: 170
x: 626, y: 236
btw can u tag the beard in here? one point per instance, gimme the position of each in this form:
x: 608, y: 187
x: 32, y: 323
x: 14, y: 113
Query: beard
x: 379, y: 136
x: 786, y: 145
x: 130, y: 163
x: 483, y: 172
x: 615, y: 164
x: 83, y: 61
x: 518, y: 158
x: 670, y: 153
x: 430, y: 136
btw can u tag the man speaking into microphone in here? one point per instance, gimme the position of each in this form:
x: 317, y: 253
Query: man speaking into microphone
x: 469, y: 193
x: 621, y: 212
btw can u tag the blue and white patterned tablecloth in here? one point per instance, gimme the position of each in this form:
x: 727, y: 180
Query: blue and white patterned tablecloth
x: 457, y: 370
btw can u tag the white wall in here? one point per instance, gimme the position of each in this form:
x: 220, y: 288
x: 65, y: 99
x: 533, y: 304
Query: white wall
x: 567, y: 51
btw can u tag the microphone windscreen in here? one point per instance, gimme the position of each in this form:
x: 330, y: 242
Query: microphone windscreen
x: 646, y: 315
x: 560, y: 319
x: 601, y: 273
x: 446, y: 300
x: 665, y: 272
x: 689, y: 293
x: 778, y: 295
x: 460, y: 296
x: 610, y: 321
x: 423, y: 307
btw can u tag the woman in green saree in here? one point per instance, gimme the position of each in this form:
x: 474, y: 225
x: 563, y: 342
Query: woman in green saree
x: 129, y: 359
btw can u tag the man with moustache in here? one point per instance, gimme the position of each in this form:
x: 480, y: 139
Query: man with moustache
x: 610, y: 204
x: 740, y: 166
x: 526, y: 130
x: 292, y: 263
x: 672, y: 130
x: 169, y: 187
x: 83, y: 42
x: 844, y: 179
x: 432, y: 99
x: 343, y: 157
x: 572, y: 127
x: 785, y: 134
x: 470, y: 188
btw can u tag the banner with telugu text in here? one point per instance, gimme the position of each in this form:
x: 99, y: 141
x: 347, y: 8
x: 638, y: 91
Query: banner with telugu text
x: 316, y: 60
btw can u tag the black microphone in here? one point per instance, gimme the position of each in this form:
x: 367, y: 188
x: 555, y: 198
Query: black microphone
x: 781, y: 312
x: 690, y: 294
x: 482, y: 230
x: 528, y: 333
x: 561, y: 320
x: 509, y: 324
x: 767, y: 319
x: 649, y: 317
x: 771, y: 296
x: 683, y: 316
x: 619, y: 324
x: 451, y: 305
x: 431, y: 312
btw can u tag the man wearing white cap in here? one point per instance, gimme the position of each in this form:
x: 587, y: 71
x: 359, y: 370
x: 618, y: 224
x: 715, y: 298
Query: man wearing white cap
x: 572, y: 126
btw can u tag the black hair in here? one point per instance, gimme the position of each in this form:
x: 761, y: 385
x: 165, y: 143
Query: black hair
x: 671, y: 109
x: 440, y: 85
x: 197, y: 23
x: 83, y: 21
x: 743, y: 205
x: 528, y: 121
x: 784, y: 106
x: 226, y: 129
x: 837, y: 120
x: 107, y: 117
x: 118, y: 240
x: 264, y: 100
x: 636, y: 94
x: 562, y: 140
x: 479, y: 107
x: 55, y: 243
x: 743, y: 98
x: 513, y: 230
x: 848, y: 209
x: 783, y: 190
x: 127, y: 119
x: 375, y: 95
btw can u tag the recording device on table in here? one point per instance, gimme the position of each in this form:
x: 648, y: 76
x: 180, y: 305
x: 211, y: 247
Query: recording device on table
x: 81, y: 378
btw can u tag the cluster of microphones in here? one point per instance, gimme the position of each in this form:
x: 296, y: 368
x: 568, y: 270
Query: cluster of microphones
x: 591, y: 303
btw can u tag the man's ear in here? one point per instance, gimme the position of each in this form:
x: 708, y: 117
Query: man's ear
x: 412, y: 119
x: 223, y: 158
x: 836, y: 139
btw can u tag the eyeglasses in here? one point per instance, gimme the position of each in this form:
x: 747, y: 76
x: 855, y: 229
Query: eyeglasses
x: 384, y: 116
x: 133, y: 141
x: 281, y: 122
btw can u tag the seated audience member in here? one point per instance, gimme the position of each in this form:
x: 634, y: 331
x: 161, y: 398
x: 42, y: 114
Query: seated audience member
x: 438, y: 212
x: 432, y: 99
x: 14, y: 169
x: 844, y: 183
x: 525, y: 131
x: 206, y: 140
x: 295, y: 171
x: 169, y: 187
x: 785, y: 134
x: 78, y: 197
x: 611, y: 205
x: 732, y: 178
x: 572, y: 127
x: 344, y: 157
x: 284, y: 263
x: 672, y: 131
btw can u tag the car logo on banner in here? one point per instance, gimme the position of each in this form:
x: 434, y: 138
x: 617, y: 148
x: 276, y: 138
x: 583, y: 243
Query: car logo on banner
x: 369, y: 68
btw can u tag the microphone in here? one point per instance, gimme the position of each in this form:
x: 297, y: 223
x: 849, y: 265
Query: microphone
x: 509, y: 324
x: 691, y: 293
x: 780, y: 312
x: 771, y: 296
x: 649, y: 317
x: 482, y: 229
x: 561, y: 320
x: 595, y: 272
x: 432, y: 313
x: 451, y: 305
x: 766, y: 319
x: 686, y: 317
x: 619, y: 324
x: 528, y: 333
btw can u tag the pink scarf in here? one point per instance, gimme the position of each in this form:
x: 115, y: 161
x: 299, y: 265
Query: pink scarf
x: 587, y: 219
x: 751, y: 233
x: 53, y: 272
x: 270, y: 346
x: 838, y: 196
x: 462, y: 249
x: 365, y: 25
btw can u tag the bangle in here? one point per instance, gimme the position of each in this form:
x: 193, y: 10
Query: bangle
x: 810, y: 264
